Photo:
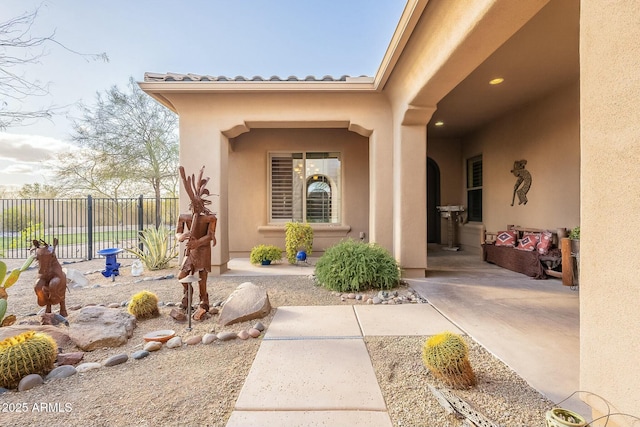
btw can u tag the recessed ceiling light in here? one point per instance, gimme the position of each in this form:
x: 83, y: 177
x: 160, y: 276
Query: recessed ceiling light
x: 439, y: 123
x: 496, y: 81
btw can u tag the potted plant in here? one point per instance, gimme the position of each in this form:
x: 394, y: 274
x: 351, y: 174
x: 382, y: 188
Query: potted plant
x: 265, y: 254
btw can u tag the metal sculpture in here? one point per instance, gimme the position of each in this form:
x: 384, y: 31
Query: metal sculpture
x: 197, y: 229
x: 51, y: 284
x: 523, y: 183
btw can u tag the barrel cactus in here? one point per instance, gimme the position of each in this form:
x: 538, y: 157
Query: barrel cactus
x: 28, y: 353
x: 446, y: 356
x: 144, y: 305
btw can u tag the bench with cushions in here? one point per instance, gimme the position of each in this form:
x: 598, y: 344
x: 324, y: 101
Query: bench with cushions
x: 529, y: 251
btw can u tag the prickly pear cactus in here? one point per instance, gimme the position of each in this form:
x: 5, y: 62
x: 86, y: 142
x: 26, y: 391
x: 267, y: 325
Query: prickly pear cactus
x: 446, y: 356
x: 28, y: 353
x: 144, y: 305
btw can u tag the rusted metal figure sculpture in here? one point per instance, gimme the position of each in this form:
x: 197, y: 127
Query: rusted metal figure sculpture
x: 51, y: 284
x: 524, y: 179
x: 197, y: 229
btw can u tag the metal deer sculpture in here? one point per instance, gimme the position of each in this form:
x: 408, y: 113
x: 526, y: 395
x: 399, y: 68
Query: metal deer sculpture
x: 51, y: 284
x: 197, y: 229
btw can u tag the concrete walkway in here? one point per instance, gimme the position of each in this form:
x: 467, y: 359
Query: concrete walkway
x: 531, y: 325
x: 313, y: 368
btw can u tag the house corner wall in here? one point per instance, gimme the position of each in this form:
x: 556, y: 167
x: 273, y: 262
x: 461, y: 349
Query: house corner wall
x: 610, y: 143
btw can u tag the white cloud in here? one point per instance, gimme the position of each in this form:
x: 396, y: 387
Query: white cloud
x: 30, y: 148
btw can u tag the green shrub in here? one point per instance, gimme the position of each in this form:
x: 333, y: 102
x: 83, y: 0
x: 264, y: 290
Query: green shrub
x: 157, y: 250
x: 298, y: 236
x: 265, y: 253
x: 352, y: 266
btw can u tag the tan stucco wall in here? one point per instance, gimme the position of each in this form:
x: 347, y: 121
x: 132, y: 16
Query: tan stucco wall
x: 546, y: 133
x: 248, y: 185
x: 610, y: 260
x: 209, y: 120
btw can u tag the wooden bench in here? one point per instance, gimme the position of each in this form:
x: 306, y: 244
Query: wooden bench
x: 530, y: 263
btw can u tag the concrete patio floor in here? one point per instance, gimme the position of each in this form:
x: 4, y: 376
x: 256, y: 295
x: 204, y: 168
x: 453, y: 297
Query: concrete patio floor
x: 531, y: 325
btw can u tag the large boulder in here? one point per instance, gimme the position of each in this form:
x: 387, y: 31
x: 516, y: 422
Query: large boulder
x: 95, y: 327
x: 247, y: 302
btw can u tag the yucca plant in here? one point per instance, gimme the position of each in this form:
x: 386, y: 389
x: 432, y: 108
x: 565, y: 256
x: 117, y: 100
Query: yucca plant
x: 5, y: 282
x: 352, y: 266
x: 157, y: 249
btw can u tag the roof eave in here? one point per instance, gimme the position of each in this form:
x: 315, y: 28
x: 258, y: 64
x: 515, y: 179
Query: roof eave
x: 407, y: 23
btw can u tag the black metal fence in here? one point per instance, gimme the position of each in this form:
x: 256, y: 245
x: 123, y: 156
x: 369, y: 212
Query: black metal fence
x: 82, y: 226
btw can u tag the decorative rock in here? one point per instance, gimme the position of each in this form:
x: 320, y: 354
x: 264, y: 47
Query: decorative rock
x: 170, y: 304
x: 114, y: 305
x: 214, y: 310
x: 194, y: 340
x: 369, y: 301
x: 247, y: 302
x: 152, y: 346
x: 259, y: 326
x: 89, y: 366
x: 116, y: 360
x: 177, y: 315
x: 174, y: 342
x: 53, y: 319
x: 243, y: 335
x: 29, y: 382
x: 97, y: 327
x: 351, y: 296
x: 376, y: 300
x: 75, y: 277
x: 200, y: 314
x: 209, y: 338
x: 359, y: 297
x: 253, y: 332
x: 70, y: 358
x: 63, y: 371
x: 227, y: 336
x: 391, y: 302
x: 3, y: 390
x: 124, y: 304
x: 140, y: 354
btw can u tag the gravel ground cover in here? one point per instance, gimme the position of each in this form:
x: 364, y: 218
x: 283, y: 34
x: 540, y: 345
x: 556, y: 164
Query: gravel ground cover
x: 198, y: 385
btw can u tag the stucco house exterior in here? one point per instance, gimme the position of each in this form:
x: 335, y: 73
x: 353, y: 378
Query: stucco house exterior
x: 371, y: 157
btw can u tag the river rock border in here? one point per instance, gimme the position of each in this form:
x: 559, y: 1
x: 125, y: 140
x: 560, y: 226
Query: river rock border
x: 64, y: 370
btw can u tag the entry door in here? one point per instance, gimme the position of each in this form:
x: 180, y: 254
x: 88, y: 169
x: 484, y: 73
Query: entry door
x: 433, y: 200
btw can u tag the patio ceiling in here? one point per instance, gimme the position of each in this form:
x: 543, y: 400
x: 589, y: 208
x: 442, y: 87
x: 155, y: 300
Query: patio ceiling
x: 538, y: 59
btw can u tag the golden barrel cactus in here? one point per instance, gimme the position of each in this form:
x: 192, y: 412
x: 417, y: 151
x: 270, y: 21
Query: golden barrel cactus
x: 28, y: 353
x: 446, y: 356
x: 144, y: 305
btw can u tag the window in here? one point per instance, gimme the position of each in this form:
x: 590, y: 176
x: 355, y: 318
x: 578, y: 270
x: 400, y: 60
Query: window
x: 474, y: 189
x: 305, y: 187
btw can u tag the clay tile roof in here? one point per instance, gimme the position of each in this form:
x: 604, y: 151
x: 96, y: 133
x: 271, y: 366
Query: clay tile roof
x: 176, y: 77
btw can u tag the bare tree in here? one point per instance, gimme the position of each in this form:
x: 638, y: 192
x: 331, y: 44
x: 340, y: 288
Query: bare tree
x: 135, y: 138
x: 84, y: 171
x: 19, y: 47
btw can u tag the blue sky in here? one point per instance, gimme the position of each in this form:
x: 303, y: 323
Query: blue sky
x: 232, y: 37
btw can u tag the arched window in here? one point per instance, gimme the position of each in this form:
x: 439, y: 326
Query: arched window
x: 318, y: 199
